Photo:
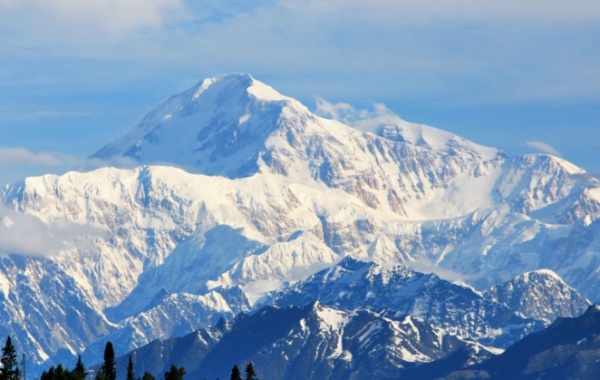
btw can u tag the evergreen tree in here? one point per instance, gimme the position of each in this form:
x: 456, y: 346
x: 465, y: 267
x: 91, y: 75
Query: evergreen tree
x: 58, y: 373
x: 130, y: 372
x: 48, y: 375
x: 148, y: 376
x: 9, y: 370
x: 250, y: 374
x: 78, y: 372
x: 235, y: 373
x: 175, y: 373
x: 109, y: 369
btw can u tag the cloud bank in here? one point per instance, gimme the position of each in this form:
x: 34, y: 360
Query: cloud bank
x: 28, y: 235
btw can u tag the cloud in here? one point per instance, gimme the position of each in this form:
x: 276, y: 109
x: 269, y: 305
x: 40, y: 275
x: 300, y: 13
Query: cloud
x: 427, y: 10
x: 20, y: 156
x: 44, y: 115
x: 28, y: 235
x: 18, y: 163
x: 367, y: 119
x: 344, y: 112
x: 543, y: 147
x: 110, y: 16
x: 424, y: 265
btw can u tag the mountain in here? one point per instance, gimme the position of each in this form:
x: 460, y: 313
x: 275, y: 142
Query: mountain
x: 540, y: 295
x: 568, y: 349
x: 395, y: 290
x: 241, y: 191
x: 309, y: 342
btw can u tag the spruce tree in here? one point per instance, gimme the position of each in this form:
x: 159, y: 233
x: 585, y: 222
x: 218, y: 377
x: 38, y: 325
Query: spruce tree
x: 9, y: 370
x: 100, y: 375
x: 250, y: 374
x: 175, y: 373
x: 148, y: 376
x: 79, y: 370
x: 130, y: 372
x: 235, y: 373
x: 109, y: 369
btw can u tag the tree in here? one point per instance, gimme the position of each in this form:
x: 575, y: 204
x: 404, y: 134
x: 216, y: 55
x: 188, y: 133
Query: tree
x: 250, y: 374
x: 148, y: 376
x: 9, y: 370
x: 78, y: 372
x: 57, y: 373
x: 235, y: 373
x: 100, y: 375
x: 175, y: 373
x: 108, y: 369
x: 130, y: 372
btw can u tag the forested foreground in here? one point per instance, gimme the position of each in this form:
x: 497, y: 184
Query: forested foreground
x: 107, y: 371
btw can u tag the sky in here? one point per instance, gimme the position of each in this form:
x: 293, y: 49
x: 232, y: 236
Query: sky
x: 521, y: 76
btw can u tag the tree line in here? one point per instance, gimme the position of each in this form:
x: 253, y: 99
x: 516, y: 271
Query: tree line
x: 107, y: 371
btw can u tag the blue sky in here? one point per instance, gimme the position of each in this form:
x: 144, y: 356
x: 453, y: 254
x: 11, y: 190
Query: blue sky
x: 522, y: 76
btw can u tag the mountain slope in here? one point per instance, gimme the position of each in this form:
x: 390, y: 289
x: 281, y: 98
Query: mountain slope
x: 309, y: 342
x: 568, y: 349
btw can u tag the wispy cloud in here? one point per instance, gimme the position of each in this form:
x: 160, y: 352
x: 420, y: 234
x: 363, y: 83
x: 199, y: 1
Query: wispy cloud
x: 543, y: 147
x: 44, y: 115
x: 18, y: 162
x: 367, y: 119
x: 344, y: 112
x: 20, y: 156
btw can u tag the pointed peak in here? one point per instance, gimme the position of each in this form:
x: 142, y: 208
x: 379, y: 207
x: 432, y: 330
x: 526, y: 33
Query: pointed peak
x: 240, y: 84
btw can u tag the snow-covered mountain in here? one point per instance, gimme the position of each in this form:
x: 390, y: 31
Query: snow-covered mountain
x: 242, y: 191
x: 309, y: 342
x: 396, y: 290
x: 540, y: 295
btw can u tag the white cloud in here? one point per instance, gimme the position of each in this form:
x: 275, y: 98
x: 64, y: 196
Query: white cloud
x: 27, y: 235
x: 20, y: 156
x: 10, y: 157
x: 543, y: 147
x: 343, y: 112
x: 364, y: 119
x: 424, y: 265
x: 114, y: 17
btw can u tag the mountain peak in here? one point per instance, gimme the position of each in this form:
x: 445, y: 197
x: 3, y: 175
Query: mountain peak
x: 541, y: 294
x: 238, y: 84
x: 217, y: 127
